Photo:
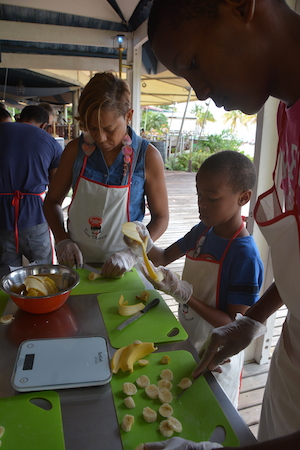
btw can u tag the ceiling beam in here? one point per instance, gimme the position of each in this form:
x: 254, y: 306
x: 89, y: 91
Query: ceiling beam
x: 57, y: 34
x: 28, y: 61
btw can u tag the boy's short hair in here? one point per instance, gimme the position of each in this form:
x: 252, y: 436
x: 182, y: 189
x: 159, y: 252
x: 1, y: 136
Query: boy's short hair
x: 34, y: 113
x: 238, y: 167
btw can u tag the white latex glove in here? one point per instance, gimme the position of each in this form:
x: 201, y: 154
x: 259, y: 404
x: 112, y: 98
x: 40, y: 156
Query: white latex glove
x: 118, y: 263
x: 134, y: 246
x: 68, y: 253
x: 171, y: 284
x: 227, y: 341
x: 177, y: 443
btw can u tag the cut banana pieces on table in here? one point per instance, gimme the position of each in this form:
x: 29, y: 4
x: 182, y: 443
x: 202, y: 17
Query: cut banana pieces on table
x: 129, y: 388
x: 129, y: 402
x: 125, y: 357
x: 185, y: 383
x: 152, y: 391
x: 165, y: 429
x: 143, y: 381
x: 149, y: 414
x: 165, y: 410
x: 166, y: 374
x: 127, y: 422
x: 165, y: 396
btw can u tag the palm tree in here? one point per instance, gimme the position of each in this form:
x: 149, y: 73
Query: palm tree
x: 234, y: 118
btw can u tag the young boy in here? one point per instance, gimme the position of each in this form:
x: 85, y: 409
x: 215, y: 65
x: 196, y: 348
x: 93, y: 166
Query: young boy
x: 240, y: 52
x: 223, y: 270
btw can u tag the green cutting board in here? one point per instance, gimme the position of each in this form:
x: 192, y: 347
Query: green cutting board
x: 155, y: 326
x: 3, y: 301
x: 131, y: 280
x: 31, y: 427
x: 197, y: 408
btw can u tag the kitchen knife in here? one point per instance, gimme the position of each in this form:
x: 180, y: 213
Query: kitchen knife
x: 91, y: 269
x: 139, y: 314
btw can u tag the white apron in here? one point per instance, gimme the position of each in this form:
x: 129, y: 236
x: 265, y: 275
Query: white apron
x: 96, y: 214
x: 204, y: 274
x: 281, y: 405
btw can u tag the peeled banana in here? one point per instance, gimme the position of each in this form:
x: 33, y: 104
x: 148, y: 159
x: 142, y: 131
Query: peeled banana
x: 133, y: 353
x: 165, y: 359
x: 152, y: 391
x: 165, y: 429
x: 129, y: 388
x: 166, y: 374
x: 165, y: 410
x: 129, y: 402
x: 149, y: 414
x: 175, y: 424
x: 164, y: 384
x: 184, y: 383
x: 127, y: 422
x: 39, y: 285
x: 165, y: 396
x: 143, y: 381
x: 128, y: 310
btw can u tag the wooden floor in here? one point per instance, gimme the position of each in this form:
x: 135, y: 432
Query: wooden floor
x: 183, y: 215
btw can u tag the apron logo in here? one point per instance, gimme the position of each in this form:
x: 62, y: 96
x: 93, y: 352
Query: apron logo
x: 95, y: 226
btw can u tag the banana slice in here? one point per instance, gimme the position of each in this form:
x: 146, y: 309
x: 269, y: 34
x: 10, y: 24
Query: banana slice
x: 143, y: 381
x: 165, y: 410
x: 129, y: 388
x: 165, y: 359
x: 6, y: 319
x: 2, y: 429
x: 129, y: 402
x: 149, y: 414
x: 152, y: 391
x: 166, y: 374
x: 143, y: 362
x: 164, y: 384
x: 175, y: 424
x: 127, y: 422
x: 165, y: 428
x: 184, y: 383
x: 165, y: 396
x: 144, y: 296
x: 93, y: 276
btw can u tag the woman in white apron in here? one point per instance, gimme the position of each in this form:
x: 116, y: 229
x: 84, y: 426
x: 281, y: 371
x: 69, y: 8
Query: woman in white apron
x: 112, y: 172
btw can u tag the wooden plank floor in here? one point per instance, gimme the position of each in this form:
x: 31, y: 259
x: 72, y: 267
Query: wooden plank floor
x: 183, y: 216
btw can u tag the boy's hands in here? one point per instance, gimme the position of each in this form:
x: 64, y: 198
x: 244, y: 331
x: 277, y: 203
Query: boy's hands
x: 171, y: 285
x: 134, y: 246
x: 68, y: 253
x: 177, y: 443
x: 227, y: 341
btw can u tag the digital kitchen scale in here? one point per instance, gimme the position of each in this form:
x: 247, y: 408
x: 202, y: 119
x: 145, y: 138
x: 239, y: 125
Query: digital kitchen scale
x: 44, y: 364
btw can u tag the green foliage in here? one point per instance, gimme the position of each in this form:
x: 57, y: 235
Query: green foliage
x: 151, y: 120
x: 202, y: 150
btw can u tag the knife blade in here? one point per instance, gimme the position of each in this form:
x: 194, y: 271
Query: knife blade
x: 139, y: 314
x: 91, y: 269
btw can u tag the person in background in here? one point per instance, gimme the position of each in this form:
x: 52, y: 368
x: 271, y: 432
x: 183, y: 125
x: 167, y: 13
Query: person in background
x: 29, y: 158
x: 240, y: 52
x: 223, y: 271
x: 49, y: 110
x: 111, y: 171
x: 4, y: 114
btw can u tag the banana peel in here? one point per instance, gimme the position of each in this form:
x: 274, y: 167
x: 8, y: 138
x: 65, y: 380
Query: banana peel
x: 125, y: 357
x: 128, y: 310
x: 38, y: 285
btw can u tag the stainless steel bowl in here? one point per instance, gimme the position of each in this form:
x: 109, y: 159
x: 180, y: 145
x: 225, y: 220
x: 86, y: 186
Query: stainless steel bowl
x: 65, y: 277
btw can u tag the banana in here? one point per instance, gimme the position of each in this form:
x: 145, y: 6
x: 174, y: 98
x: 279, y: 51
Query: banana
x: 165, y: 429
x: 143, y: 362
x: 152, y: 391
x: 93, y: 276
x: 166, y: 374
x: 175, y: 424
x: 143, y: 381
x: 165, y: 396
x: 116, y: 360
x: 164, y: 384
x: 2, y: 429
x: 38, y: 285
x: 165, y: 410
x: 129, y: 402
x: 149, y: 414
x: 165, y: 360
x: 128, y: 310
x: 6, y: 319
x: 127, y: 422
x: 133, y: 353
x: 184, y: 383
x: 144, y: 296
x: 129, y: 388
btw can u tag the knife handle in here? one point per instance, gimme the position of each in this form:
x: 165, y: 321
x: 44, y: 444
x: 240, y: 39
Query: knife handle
x: 151, y: 305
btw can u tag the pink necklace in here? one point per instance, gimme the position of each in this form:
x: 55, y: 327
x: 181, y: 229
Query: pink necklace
x: 127, y: 152
x: 89, y: 145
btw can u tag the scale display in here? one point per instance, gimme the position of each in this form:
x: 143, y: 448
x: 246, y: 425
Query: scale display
x: 61, y: 363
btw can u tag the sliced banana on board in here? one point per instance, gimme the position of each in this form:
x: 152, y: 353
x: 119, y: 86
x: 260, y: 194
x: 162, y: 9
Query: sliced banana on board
x: 143, y: 381
x: 165, y: 410
x: 184, y: 383
x: 149, y: 414
x: 129, y: 388
x: 163, y: 383
x: 129, y: 402
x: 175, y: 424
x: 165, y: 429
x: 152, y: 391
x: 165, y: 396
x: 127, y: 422
x: 166, y: 374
